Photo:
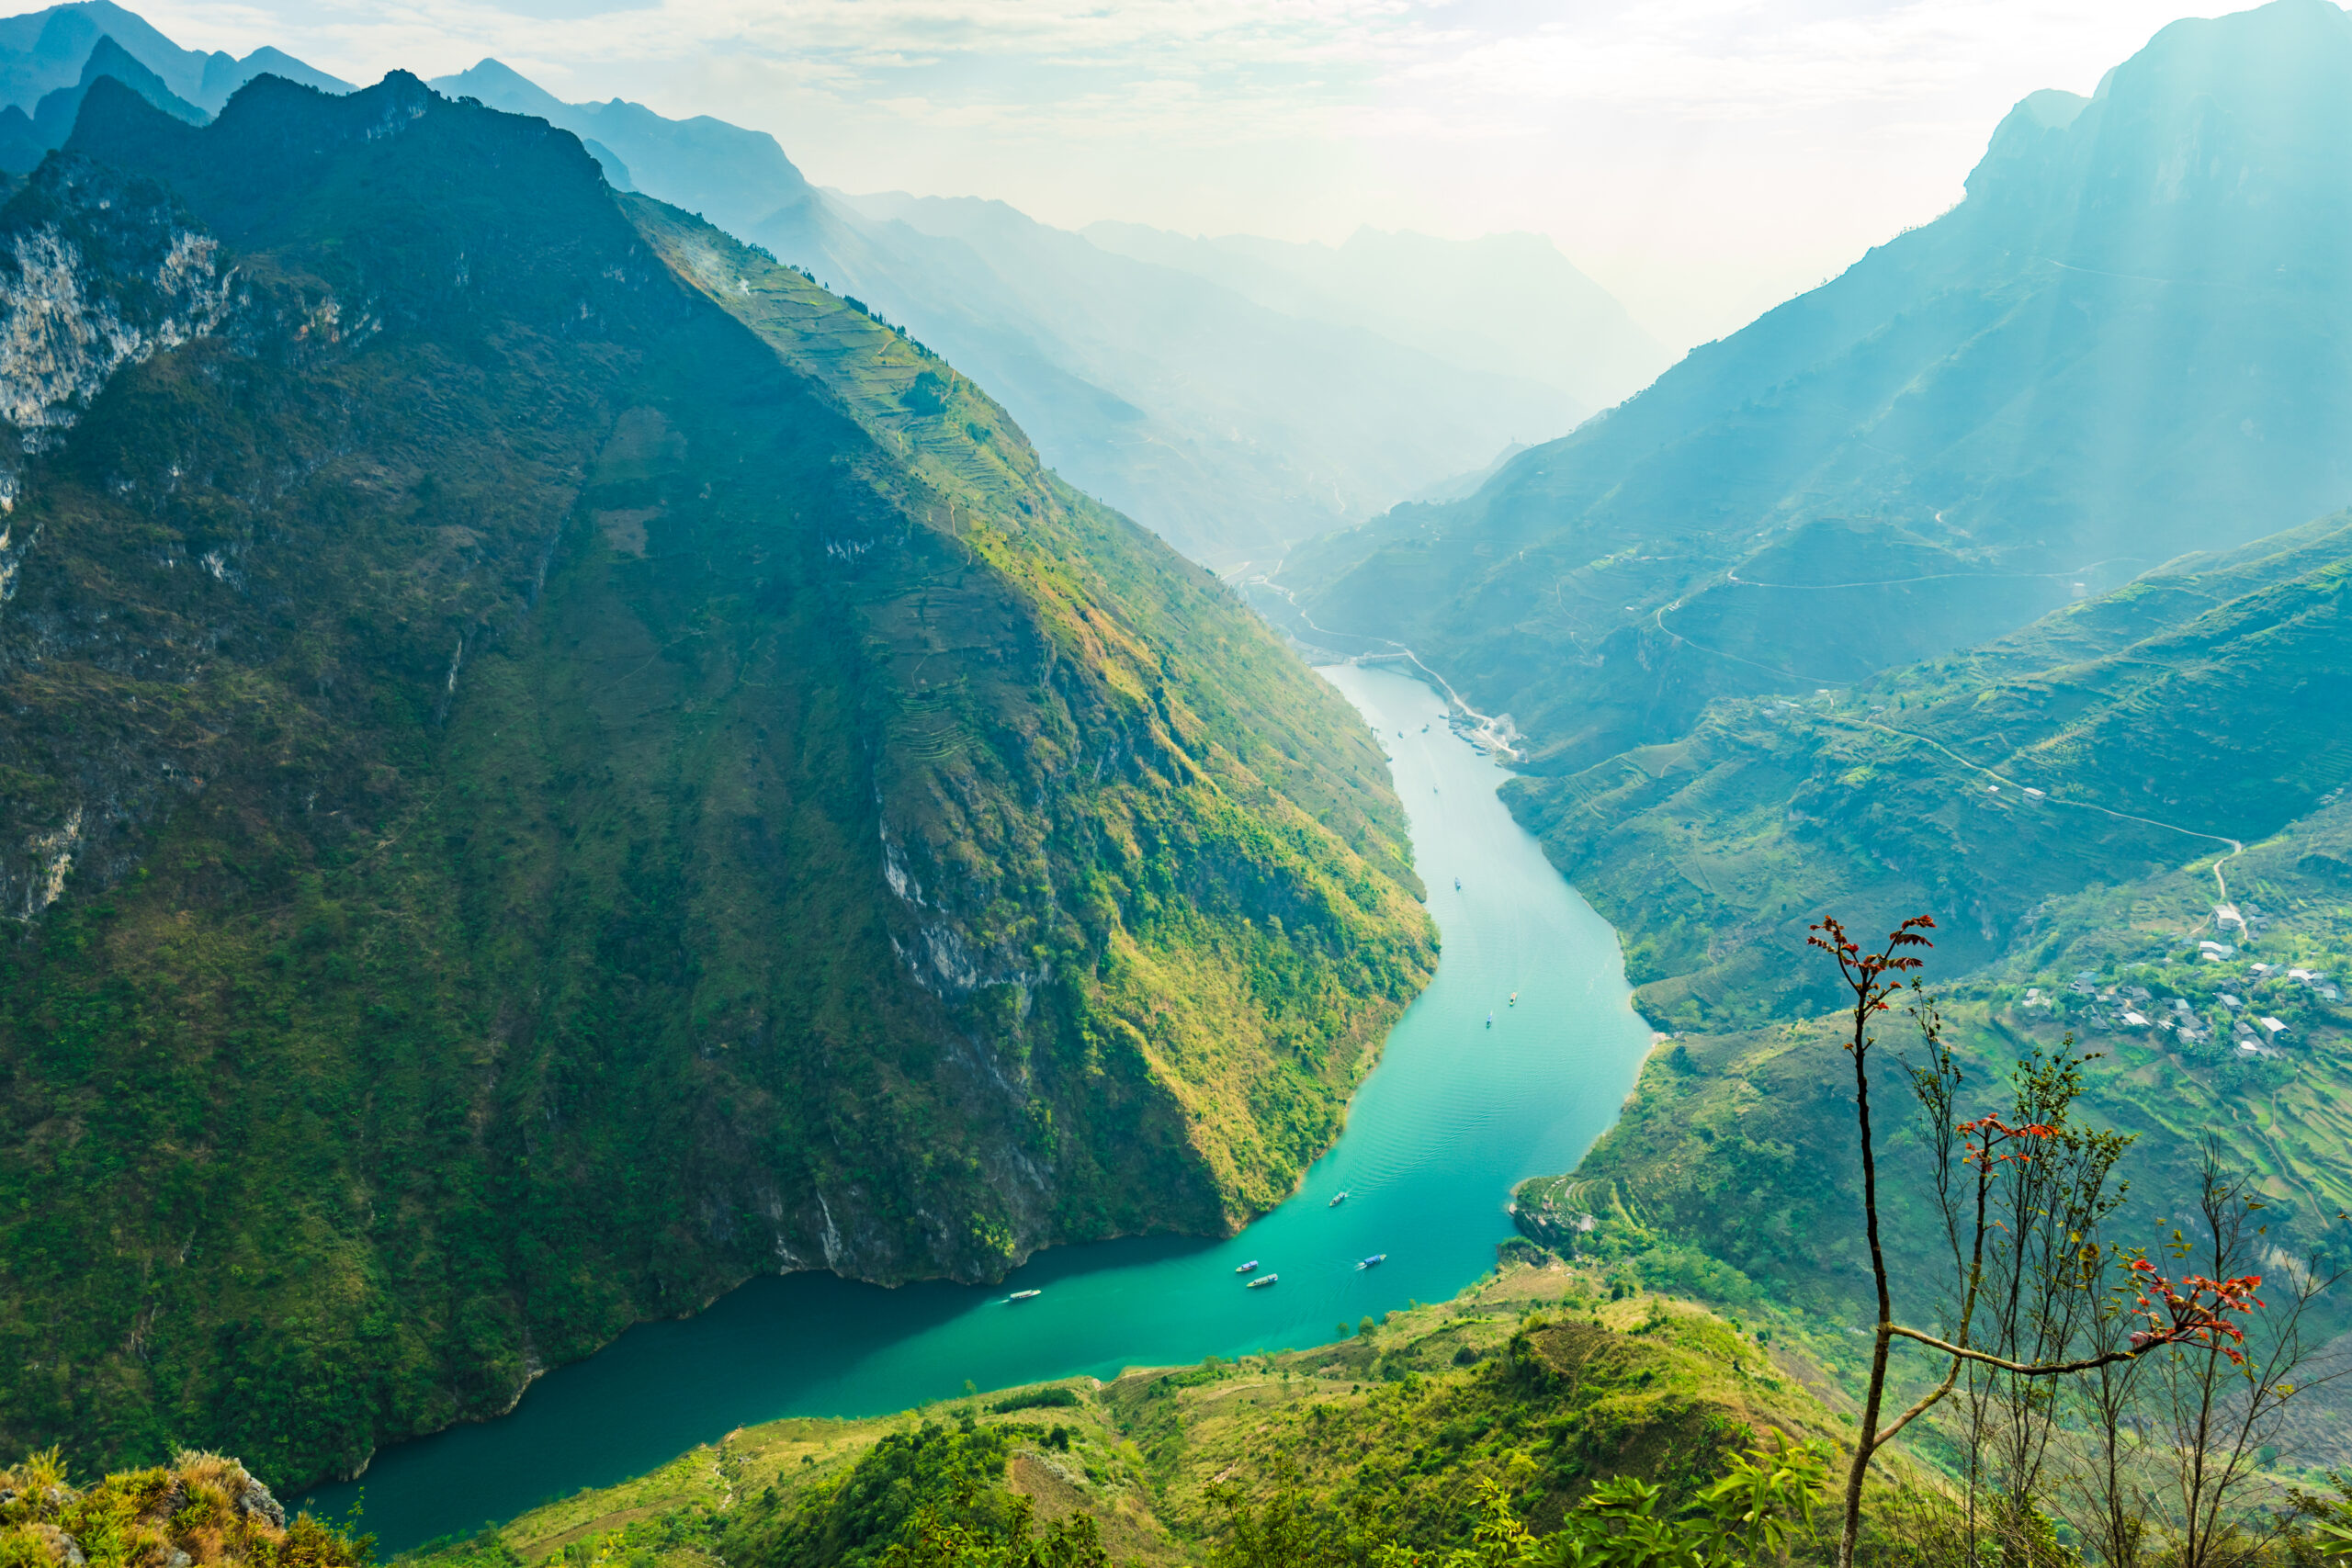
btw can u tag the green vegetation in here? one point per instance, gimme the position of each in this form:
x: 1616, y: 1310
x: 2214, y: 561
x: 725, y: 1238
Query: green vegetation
x: 545, y: 777
x: 200, y: 1509
x: 1532, y: 1408
x: 1550, y: 1414
x: 1049, y: 1398
x: 2194, y: 701
x: 2201, y: 704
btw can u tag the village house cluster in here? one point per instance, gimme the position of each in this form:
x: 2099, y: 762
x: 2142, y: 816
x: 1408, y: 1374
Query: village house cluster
x: 2220, y: 999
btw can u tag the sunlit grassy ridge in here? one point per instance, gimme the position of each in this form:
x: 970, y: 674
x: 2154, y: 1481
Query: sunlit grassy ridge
x: 1535, y: 1380
x: 595, y: 769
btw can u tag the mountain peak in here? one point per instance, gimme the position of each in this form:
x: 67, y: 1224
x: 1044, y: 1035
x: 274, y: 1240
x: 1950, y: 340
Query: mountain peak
x: 2117, y: 347
x: 501, y: 86
x: 734, y: 176
x: 41, y: 51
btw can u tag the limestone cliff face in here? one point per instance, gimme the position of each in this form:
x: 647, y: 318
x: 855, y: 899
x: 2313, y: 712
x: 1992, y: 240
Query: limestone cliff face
x: 97, y: 272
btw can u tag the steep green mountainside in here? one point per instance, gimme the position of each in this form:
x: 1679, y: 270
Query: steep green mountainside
x: 2124, y: 344
x: 551, y: 765
x: 1535, y: 1380
x: 1226, y: 422
x: 2207, y: 701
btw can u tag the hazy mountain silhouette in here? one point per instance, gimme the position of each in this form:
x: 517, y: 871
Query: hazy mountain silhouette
x: 1227, y: 420
x: 1508, y: 303
x: 2127, y: 341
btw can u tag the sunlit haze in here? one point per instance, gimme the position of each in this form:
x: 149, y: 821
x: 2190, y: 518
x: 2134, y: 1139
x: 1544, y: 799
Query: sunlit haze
x: 1701, y: 158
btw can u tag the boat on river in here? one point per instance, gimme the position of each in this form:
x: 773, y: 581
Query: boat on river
x: 1374, y: 1262
x: 1457, y: 884
x: 1247, y: 1268
x: 1514, y: 999
x: 1337, y: 1198
x: 1261, y: 1281
x: 1022, y: 1296
x: 1490, y: 1017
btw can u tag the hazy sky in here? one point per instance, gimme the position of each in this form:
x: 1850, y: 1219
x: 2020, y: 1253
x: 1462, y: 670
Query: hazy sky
x: 1703, y: 158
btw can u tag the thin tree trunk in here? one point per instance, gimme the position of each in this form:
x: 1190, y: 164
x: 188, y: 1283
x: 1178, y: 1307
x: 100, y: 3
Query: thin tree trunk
x: 1882, y: 1335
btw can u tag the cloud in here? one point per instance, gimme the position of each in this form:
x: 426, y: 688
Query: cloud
x: 1657, y: 128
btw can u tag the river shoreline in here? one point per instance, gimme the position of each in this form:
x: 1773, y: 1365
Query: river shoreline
x: 1512, y: 1061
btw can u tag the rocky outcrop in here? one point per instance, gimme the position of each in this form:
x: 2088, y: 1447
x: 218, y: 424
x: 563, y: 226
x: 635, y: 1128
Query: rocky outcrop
x: 97, y: 272
x: 200, y: 1509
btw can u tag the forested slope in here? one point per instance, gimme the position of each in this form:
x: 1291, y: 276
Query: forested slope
x: 2203, y: 704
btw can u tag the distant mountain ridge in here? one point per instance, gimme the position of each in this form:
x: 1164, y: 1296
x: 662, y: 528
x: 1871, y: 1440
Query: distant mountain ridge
x: 49, y: 58
x: 1508, y: 303
x: 1232, y: 410
x: 2125, y: 342
x: 1229, y: 423
x: 43, y: 51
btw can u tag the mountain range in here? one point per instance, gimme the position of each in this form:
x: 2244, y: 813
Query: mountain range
x: 1232, y: 407
x: 565, y: 747
x: 2001, y: 579
x: 553, y: 765
x: 2125, y: 342
x: 49, y: 58
x: 1229, y: 415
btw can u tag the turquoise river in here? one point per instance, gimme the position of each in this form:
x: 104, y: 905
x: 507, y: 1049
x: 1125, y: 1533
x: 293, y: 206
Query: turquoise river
x: 1458, y: 1111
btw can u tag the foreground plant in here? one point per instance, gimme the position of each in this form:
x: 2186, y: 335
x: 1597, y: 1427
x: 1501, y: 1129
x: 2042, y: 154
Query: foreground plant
x: 2022, y: 1197
x: 944, y: 1540
x: 199, y: 1511
x: 1748, y: 1518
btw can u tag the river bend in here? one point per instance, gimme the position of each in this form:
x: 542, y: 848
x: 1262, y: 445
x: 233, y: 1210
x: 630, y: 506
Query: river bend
x: 1457, y: 1111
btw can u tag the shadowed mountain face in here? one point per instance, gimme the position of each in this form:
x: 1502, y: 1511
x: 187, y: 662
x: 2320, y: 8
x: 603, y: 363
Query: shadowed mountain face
x: 1229, y: 413
x: 552, y: 765
x: 2127, y: 341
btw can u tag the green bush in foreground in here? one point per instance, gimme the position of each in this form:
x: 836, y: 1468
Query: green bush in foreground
x: 1749, y: 1516
x: 197, y: 1511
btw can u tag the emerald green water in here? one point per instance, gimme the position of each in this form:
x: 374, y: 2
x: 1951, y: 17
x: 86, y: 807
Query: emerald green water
x: 1456, y: 1112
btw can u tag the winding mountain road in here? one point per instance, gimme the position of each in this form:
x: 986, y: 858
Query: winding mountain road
x: 2237, y: 847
